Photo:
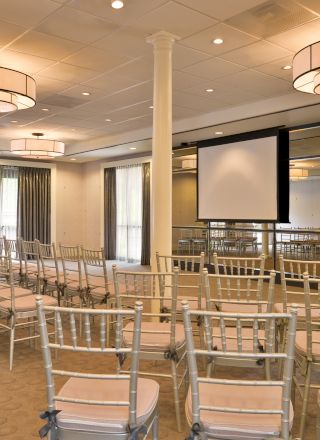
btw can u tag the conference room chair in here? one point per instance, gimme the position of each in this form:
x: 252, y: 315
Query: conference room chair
x: 239, y: 409
x: 51, y: 272
x: 99, y: 288
x: 14, y: 248
x: 73, y: 283
x: 185, y: 241
x: 162, y: 337
x: 96, y: 406
x: 239, y: 265
x: 17, y: 308
x: 239, y: 294
x: 307, y: 358
x: 30, y: 264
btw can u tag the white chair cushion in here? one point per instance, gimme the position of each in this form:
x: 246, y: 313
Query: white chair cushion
x: 301, y: 343
x: 235, y: 426
x: 154, y: 341
x: 104, y: 419
x: 28, y: 303
x: 240, y: 307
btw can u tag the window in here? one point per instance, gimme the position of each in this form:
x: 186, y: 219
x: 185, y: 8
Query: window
x: 129, y: 213
x: 8, y: 201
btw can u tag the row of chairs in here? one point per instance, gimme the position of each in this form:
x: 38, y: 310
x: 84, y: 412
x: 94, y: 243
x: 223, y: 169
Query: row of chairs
x: 243, y: 288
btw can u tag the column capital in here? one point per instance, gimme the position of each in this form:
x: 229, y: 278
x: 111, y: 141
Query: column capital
x: 162, y: 39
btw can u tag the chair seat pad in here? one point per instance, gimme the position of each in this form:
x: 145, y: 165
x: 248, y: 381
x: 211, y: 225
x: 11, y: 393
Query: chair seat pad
x: 104, y: 419
x: 301, y: 310
x: 18, y: 292
x: 154, y: 341
x: 301, y: 343
x: 237, y: 426
x: 192, y: 300
x: 241, y: 307
x: 28, y: 303
x: 231, y: 336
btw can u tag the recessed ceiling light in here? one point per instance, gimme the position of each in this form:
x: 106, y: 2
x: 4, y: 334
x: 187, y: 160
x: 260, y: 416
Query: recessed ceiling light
x: 73, y: 129
x: 209, y: 90
x: 86, y: 93
x: 117, y: 4
x: 151, y: 106
x: 45, y: 109
x: 217, y: 41
x: 73, y: 159
x: 132, y: 148
x: 288, y: 67
x: 108, y: 120
x: 219, y: 132
x: 13, y: 122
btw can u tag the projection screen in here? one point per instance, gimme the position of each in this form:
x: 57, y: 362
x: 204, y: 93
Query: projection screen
x: 239, y: 180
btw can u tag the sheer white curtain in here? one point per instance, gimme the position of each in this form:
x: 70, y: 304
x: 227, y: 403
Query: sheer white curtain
x: 129, y: 212
x: 8, y: 201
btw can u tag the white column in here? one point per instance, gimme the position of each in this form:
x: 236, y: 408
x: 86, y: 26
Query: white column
x: 161, y: 181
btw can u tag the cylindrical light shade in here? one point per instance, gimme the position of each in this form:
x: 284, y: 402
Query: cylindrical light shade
x: 306, y: 66
x: 37, y: 148
x: 298, y: 173
x: 18, y: 85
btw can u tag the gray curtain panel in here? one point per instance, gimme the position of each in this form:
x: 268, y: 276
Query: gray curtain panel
x: 110, y: 213
x: 34, y: 204
x: 145, y: 250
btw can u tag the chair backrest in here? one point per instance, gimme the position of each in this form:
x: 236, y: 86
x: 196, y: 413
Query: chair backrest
x: 7, y: 280
x: 95, y: 268
x: 185, y: 263
x: 312, y: 321
x: 49, y: 264
x: 292, y: 279
x: 148, y: 287
x: 241, y: 322
x: 95, y: 343
x: 256, y: 291
x: 71, y: 264
x: 239, y: 265
x: 30, y: 262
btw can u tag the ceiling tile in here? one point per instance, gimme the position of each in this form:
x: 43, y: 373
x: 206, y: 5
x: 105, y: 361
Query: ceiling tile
x: 213, y: 68
x: 232, y: 39
x: 127, y: 41
x: 111, y: 83
x: 271, y: 18
x: 9, y: 32
x: 184, y: 99
x: 15, y: 12
x: 68, y: 73
x: 221, y: 9
x: 47, y: 86
x: 96, y: 59
x: 274, y: 68
x: 185, y: 56
x: 183, y: 112
x: 76, y: 92
x: 296, y: 39
x: 165, y: 18
x: 256, y: 53
x: 139, y: 69
x: 23, y: 62
x: 183, y: 80
x: 314, y: 5
x: 76, y: 25
x: 43, y: 45
x: 102, y: 8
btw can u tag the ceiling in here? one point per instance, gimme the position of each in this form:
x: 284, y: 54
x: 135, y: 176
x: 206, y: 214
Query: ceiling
x: 76, y: 46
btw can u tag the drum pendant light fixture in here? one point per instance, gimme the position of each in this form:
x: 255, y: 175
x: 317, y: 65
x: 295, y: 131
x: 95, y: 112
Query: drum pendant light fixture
x: 306, y: 69
x: 17, y: 90
x: 37, y: 147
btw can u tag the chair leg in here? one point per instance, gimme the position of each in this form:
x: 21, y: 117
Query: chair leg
x: 305, y: 401
x: 155, y: 428
x: 12, y: 334
x: 176, y: 394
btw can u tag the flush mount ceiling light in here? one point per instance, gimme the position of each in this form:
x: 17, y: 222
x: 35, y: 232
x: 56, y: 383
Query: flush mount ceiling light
x: 17, y: 90
x: 117, y: 4
x: 217, y: 41
x: 37, y: 148
x: 298, y: 173
x: 306, y: 69
x: 288, y: 67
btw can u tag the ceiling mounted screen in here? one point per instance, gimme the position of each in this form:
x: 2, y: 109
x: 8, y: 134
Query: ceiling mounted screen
x: 244, y: 177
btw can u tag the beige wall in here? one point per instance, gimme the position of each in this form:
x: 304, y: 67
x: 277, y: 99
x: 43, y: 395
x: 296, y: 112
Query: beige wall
x: 92, y: 201
x: 70, y: 185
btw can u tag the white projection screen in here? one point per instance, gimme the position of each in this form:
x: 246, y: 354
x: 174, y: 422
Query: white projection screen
x: 239, y: 180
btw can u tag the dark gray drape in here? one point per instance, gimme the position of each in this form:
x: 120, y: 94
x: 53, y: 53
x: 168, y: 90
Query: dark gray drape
x: 110, y: 213
x: 145, y: 250
x: 34, y: 204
